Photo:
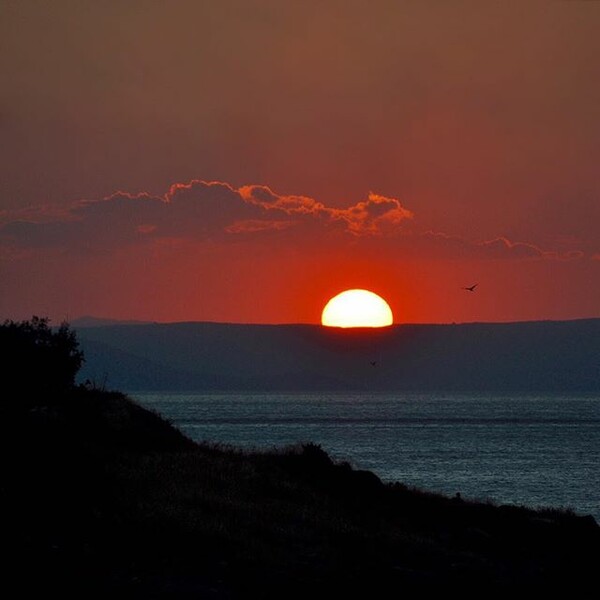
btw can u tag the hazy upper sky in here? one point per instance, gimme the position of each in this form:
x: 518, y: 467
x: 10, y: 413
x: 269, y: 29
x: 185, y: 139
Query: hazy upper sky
x: 409, y: 147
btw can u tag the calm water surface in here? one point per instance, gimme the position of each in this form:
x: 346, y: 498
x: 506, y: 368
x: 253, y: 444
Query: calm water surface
x: 533, y: 450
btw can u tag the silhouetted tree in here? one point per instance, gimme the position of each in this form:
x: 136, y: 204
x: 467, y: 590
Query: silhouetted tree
x: 38, y: 358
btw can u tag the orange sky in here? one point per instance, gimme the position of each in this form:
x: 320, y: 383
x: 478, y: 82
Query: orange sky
x: 408, y: 148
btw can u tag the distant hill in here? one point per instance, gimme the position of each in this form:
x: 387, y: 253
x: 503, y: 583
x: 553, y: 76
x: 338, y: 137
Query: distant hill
x: 543, y: 356
x: 89, y: 321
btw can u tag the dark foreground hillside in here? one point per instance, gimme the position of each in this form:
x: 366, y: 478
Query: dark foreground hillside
x: 103, y: 498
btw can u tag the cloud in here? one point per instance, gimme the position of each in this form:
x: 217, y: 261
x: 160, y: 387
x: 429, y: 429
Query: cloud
x: 499, y: 247
x: 88, y: 225
x: 370, y: 217
x: 433, y: 245
x: 195, y: 210
x: 216, y: 211
x: 255, y: 225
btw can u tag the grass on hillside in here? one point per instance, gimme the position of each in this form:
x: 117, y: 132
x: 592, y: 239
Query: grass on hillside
x: 108, y: 496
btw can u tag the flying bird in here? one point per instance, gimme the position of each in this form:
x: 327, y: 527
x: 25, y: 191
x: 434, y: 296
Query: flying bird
x: 471, y: 288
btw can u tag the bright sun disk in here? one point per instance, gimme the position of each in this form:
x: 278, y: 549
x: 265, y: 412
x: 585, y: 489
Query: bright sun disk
x: 357, y: 308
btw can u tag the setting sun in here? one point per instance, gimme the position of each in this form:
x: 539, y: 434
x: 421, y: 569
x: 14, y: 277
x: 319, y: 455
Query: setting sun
x: 357, y: 308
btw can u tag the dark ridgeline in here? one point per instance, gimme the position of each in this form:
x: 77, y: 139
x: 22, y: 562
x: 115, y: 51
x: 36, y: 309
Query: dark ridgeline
x: 104, y: 498
x: 545, y: 356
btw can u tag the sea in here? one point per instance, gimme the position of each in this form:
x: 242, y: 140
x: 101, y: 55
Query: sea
x: 532, y: 450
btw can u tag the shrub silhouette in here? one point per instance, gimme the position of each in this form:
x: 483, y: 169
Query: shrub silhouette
x: 38, y: 359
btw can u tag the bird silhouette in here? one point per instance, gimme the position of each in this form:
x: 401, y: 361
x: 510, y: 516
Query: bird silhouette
x: 471, y: 288
x: 373, y: 363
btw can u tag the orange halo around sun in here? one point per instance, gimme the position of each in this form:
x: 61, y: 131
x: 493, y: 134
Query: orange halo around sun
x: 357, y: 308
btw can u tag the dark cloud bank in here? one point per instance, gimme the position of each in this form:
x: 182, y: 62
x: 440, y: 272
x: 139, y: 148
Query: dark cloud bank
x: 216, y: 211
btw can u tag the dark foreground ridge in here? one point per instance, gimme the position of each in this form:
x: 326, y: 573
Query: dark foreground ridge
x: 102, y: 497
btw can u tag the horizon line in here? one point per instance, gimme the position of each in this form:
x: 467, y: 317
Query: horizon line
x: 115, y: 321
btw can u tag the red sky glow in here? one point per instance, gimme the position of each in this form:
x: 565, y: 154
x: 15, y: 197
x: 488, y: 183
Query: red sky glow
x: 246, y: 161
